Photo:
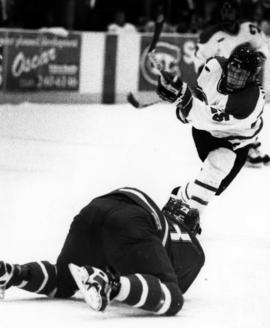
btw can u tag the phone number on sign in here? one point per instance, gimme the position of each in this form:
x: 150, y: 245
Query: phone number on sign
x: 59, y: 82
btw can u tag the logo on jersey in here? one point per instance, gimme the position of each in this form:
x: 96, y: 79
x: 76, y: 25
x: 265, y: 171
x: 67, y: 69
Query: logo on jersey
x: 167, y: 54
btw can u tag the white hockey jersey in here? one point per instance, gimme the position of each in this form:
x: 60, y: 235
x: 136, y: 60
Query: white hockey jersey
x: 235, y: 116
x: 215, y: 42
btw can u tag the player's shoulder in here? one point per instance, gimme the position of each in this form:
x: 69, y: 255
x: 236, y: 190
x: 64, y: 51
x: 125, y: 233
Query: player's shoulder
x: 214, y: 64
x: 250, y: 28
x: 208, y: 33
x: 242, y: 103
x: 246, y: 25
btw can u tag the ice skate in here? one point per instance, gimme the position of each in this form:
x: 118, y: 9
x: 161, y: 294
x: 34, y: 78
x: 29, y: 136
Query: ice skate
x: 255, y: 158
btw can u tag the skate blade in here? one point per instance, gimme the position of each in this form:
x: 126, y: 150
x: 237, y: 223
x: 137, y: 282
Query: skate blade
x: 253, y: 166
x: 91, y: 295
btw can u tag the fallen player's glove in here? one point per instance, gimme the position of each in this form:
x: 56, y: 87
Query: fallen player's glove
x: 97, y: 287
x: 180, y: 211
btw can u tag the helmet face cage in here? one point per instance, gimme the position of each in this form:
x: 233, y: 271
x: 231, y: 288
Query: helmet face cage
x: 243, y: 65
x: 237, y: 77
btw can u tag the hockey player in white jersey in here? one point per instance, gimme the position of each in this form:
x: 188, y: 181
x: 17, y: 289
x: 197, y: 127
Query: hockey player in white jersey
x: 225, y: 114
x: 219, y: 40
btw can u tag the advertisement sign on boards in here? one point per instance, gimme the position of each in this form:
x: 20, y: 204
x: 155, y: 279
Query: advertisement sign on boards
x: 41, y: 61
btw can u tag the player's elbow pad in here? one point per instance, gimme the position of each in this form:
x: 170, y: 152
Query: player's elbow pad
x: 184, y: 104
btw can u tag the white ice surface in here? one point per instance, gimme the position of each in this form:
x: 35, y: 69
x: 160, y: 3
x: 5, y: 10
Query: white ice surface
x: 55, y: 158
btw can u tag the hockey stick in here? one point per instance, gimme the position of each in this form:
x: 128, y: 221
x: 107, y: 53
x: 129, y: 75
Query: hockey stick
x: 152, y: 57
x: 137, y: 104
x: 157, y: 31
x: 151, y: 51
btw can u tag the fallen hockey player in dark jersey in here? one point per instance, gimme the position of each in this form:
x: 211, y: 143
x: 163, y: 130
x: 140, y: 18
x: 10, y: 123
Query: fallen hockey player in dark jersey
x: 119, y: 247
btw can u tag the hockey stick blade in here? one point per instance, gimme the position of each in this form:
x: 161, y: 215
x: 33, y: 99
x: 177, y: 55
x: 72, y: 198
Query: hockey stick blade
x: 135, y: 102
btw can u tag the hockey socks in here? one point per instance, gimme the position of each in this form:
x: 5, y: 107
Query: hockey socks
x: 36, y: 277
x: 137, y: 290
x: 199, y: 192
x: 148, y: 293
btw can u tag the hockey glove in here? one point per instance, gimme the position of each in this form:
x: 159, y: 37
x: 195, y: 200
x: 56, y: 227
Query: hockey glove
x: 98, y: 287
x: 172, y: 89
x: 169, y: 86
x: 176, y: 209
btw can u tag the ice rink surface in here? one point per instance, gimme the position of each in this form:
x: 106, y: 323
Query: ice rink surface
x: 55, y: 158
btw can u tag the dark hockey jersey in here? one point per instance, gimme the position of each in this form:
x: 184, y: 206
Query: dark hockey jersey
x: 183, y: 248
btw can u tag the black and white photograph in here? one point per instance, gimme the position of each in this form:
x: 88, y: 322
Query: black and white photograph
x: 135, y: 163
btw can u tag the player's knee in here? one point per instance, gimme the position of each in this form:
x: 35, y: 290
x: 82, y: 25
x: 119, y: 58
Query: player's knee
x: 220, y: 161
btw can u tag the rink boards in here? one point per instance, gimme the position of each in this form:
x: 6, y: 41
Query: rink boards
x: 89, y: 67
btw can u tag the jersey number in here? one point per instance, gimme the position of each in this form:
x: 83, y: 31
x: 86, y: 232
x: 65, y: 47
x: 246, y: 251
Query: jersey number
x: 219, y: 117
x: 178, y: 235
